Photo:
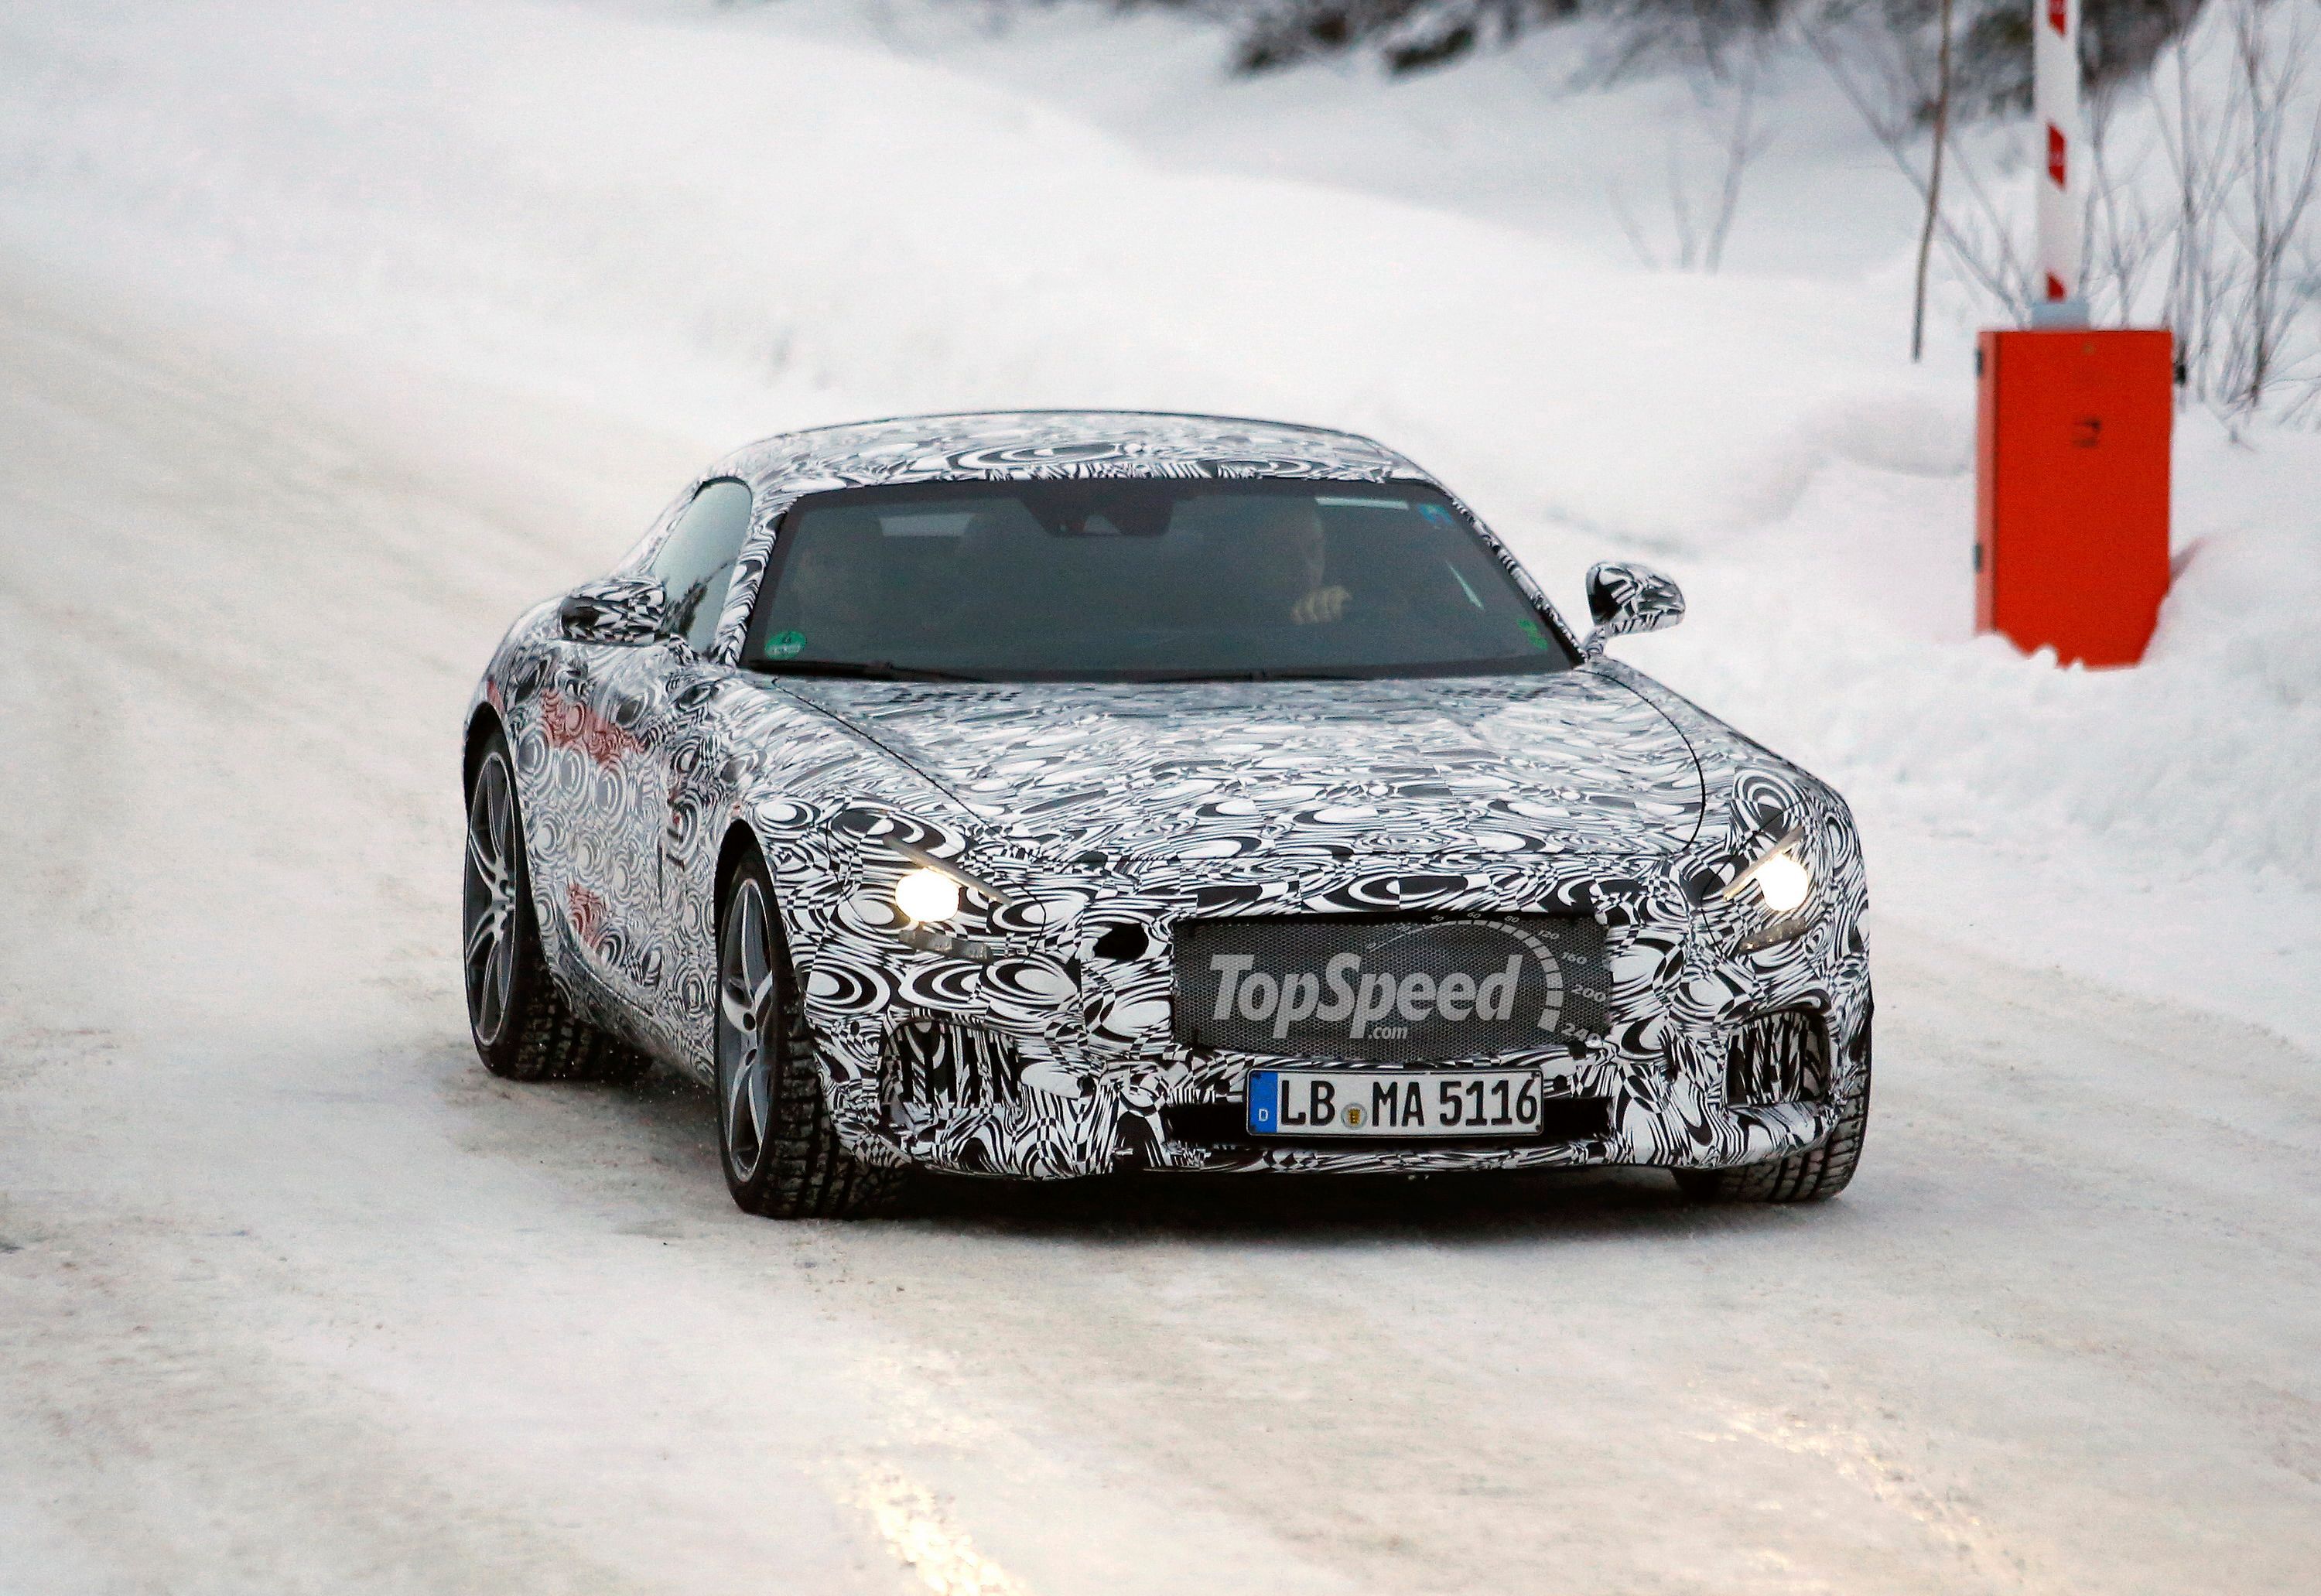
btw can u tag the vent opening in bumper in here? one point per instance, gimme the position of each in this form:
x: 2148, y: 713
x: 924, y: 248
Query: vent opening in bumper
x: 932, y: 1063
x: 1778, y: 1058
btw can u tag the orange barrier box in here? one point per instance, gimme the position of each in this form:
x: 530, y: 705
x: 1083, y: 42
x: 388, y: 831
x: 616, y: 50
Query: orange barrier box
x: 2072, y: 493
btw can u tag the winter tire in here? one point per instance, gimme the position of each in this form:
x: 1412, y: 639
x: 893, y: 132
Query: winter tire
x: 523, y: 1027
x: 1815, y: 1175
x: 782, y: 1155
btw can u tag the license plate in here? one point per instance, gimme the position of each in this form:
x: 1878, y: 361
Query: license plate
x: 1393, y: 1103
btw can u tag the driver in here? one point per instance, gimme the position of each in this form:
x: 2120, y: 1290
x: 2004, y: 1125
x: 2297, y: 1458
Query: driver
x: 1288, y: 560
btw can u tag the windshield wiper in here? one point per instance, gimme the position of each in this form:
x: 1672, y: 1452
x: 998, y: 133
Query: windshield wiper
x: 867, y: 670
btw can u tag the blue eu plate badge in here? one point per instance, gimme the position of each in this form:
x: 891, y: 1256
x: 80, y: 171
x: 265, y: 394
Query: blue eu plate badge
x: 1264, y: 1102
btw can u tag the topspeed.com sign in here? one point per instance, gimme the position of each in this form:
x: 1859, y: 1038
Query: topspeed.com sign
x: 1388, y: 990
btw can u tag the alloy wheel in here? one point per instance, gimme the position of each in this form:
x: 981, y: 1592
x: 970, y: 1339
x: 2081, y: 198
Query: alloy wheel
x: 748, y: 1028
x: 487, y: 901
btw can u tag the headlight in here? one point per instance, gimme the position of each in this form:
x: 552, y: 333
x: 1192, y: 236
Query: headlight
x: 931, y: 893
x: 1783, y: 882
x: 926, y: 895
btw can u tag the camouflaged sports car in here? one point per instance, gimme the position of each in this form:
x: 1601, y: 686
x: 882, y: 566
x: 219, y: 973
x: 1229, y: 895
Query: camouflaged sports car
x: 1051, y: 794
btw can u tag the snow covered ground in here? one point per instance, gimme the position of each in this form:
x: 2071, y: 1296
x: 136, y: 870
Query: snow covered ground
x: 719, y: 222
x: 335, y: 334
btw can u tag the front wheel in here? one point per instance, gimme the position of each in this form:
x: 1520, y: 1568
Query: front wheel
x: 782, y: 1155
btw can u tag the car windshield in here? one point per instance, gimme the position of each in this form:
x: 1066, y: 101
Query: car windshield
x: 1141, y: 580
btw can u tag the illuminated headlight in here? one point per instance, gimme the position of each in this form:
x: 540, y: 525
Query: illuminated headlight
x: 1783, y: 882
x: 926, y: 895
x: 929, y: 894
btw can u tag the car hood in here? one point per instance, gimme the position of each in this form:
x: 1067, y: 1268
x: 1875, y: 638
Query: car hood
x: 1573, y: 762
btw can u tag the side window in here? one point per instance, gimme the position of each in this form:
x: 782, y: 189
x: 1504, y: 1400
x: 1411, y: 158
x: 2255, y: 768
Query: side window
x: 697, y: 562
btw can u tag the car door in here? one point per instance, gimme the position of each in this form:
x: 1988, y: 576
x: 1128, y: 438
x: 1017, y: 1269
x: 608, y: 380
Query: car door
x: 616, y: 729
x: 696, y: 564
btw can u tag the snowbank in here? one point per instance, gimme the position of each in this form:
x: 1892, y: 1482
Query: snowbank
x: 733, y: 222
x: 913, y: 238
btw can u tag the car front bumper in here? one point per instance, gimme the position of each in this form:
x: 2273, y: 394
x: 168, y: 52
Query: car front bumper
x: 1042, y: 1060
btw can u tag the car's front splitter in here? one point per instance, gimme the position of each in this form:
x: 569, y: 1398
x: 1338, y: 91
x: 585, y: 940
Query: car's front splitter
x: 977, y: 1100
x: 1749, y: 1136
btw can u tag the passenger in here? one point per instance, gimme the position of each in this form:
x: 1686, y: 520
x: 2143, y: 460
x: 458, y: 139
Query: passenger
x: 833, y: 594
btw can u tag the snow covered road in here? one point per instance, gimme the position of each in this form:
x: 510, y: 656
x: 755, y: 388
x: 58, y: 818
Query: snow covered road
x: 294, y: 1297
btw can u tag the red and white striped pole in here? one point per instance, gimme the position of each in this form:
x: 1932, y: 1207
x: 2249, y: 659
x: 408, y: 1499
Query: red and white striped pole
x: 2055, y: 102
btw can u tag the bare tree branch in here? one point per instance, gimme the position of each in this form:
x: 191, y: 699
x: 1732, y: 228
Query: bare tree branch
x: 1933, y: 190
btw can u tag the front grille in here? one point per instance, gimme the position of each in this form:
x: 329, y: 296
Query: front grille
x: 1778, y: 1058
x: 1226, y: 1125
x: 1389, y: 990
x: 930, y: 1062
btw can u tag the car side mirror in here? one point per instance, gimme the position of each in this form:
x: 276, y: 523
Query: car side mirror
x: 1624, y: 598
x: 617, y: 610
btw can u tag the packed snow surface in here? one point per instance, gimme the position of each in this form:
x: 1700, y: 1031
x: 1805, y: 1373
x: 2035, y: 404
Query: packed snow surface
x: 336, y: 333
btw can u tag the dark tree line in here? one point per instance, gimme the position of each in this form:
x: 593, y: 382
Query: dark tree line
x: 2119, y: 38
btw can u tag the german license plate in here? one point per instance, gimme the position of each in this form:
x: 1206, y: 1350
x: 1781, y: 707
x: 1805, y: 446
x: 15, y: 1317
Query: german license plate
x: 1393, y: 1103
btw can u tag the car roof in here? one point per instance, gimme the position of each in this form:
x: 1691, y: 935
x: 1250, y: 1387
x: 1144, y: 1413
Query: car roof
x: 1002, y: 444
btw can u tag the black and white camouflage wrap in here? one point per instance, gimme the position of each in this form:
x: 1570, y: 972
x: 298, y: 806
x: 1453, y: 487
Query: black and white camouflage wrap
x: 641, y: 766
x: 1626, y: 599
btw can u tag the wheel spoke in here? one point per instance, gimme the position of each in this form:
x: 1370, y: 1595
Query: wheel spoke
x: 484, y: 937
x: 744, y: 1134
x: 480, y: 851
x: 738, y: 1083
x: 499, y: 808
x: 488, y: 870
x: 503, y: 964
x: 755, y: 973
x: 492, y: 998
x: 761, y: 1101
x: 738, y: 1006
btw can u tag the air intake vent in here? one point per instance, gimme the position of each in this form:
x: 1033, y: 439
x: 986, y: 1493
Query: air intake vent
x: 1778, y: 1058
x: 930, y: 1062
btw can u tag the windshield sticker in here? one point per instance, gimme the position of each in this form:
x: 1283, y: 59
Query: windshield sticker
x: 785, y: 645
x: 1532, y: 630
